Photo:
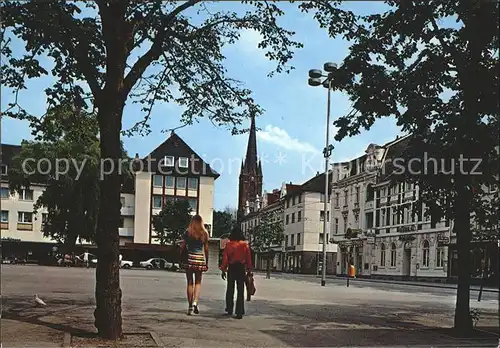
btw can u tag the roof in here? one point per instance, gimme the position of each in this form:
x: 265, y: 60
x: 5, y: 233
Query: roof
x: 175, y: 146
x: 273, y: 197
x: 395, y: 149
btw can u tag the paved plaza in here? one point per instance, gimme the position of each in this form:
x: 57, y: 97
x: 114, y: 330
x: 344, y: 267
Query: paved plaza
x: 284, y: 312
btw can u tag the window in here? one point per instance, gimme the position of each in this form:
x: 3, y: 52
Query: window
x: 382, y: 255
x: 300, y: 199
x: 122, y: 222
x: 345, y: 197
x: 321, y: 238
x: 122, y: 201
x: 5, y: 192
x: 336, y: 226
x: 157, y: 202
x: 345, y: 225
x: 286, y: 241
x: 157, y: 181
x: 293, y: 200
x: 298, y: 238
x: 357, y: 194
x: 321, y: 215
x: 425, y: 254
x: 193, y: 183
x: 322, y: 198
x: 5, y: 216
x: 292, y: 240
x: 337, y: 200
x: 26, y: 195
x: 3, y: 169
x: 25, y: 217
x: 382, y: 217
x: 168, y: 161
x: 181, y: 183
x: 394, y: 215
x: 299, y: 216
x: 183, y: 162
x: 393, y: 255
x: 287, y: 220
x: 440, y: 257
x: 288, y: 203
x: 169, y: 181
x: 193, y: 204
x: 293, y: 218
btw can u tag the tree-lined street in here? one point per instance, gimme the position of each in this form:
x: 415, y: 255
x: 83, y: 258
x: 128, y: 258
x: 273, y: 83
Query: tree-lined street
x: 284, y: 312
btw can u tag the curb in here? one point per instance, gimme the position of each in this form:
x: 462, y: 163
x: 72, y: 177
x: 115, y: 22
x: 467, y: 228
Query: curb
x: 423, y: 284
x: 368, y: 280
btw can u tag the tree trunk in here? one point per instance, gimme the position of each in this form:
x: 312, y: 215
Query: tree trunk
x: 108, y: 319
x: 463, y: 320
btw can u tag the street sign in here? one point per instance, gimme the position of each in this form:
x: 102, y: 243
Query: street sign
x: 370, y: 240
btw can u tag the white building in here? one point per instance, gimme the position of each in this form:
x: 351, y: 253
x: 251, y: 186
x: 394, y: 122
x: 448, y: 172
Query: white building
x: 374, y: 225
x: 171, y: 171
x: 304, y: 216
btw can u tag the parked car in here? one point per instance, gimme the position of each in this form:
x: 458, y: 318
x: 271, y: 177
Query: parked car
x: 156, y: 262
x: 13, y: 260
x: 123, y: 264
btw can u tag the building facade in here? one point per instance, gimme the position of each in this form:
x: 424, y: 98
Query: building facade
x: 375, y: 227
x: 171, y: 171
x: 271, y: 211
x: 304, y: 215
x: 250, y: 180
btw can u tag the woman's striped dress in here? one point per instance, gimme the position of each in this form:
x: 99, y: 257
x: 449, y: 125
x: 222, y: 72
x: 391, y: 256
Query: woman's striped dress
x: 195, y: 254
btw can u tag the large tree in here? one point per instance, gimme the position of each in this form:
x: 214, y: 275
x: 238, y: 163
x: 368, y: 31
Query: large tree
x: 433, y: 66
x: 64, y: 157
x: 171, y: 223
x: 137, y: 52
x: 224, y: 222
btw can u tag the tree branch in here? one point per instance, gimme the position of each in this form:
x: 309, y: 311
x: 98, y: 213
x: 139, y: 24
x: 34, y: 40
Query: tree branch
x: 155, y: 50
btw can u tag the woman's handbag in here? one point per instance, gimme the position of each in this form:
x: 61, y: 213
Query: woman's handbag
x: 250, y: 284
x: 184, y: 255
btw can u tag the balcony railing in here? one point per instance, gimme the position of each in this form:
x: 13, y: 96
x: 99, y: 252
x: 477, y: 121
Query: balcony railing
x: 126, y: 231
x: 127, y: 211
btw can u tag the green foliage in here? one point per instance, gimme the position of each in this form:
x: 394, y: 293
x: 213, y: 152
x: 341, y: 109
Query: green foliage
x: 63, y: 157
x: 223, y: 223
x: 167, y: 51
x: 171, y: 223
x: 269, y: 231
x: 71, y: 194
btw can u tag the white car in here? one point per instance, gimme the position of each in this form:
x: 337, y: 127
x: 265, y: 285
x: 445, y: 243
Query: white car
x: 123, y: 264
x: 156, y: 262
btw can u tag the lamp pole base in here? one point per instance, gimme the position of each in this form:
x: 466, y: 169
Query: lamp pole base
x: 323, y: 282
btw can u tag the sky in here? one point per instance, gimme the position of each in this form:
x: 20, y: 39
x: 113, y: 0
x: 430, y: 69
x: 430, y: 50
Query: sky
x: 291, y: 132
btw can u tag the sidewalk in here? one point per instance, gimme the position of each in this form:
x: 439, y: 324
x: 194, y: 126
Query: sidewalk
x: 415, y: 283
x: 383, y: 281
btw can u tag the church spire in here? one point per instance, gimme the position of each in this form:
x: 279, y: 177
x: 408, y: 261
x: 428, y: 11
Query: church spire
x: 251, y: 158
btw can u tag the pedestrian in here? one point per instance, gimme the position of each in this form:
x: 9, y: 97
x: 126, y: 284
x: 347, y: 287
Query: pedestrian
x: 86, y: 258
x: 195, y: 245
x: 237, y: 262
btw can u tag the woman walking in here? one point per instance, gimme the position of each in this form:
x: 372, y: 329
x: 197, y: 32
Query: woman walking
x: 195, y: 245
x: 237, y: 262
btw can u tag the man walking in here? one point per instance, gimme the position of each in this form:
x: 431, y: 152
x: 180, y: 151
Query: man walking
x: 237, y: 262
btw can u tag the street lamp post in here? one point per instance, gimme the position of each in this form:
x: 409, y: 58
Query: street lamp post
x: 315, y: 77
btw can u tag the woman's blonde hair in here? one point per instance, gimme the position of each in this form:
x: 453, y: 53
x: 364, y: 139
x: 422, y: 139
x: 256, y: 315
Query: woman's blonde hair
x: 196, y: 229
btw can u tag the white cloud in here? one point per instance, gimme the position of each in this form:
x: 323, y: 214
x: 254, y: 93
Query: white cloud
x: 249, y: 40
x: 281, y: 138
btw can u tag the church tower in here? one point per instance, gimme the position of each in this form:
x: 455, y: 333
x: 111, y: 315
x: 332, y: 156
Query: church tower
x: 250, y: 184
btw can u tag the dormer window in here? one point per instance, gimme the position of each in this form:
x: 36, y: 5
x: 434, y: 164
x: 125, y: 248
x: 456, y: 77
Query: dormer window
x: 168, y: 161
x: 183, y: 162
x: 3, y: 169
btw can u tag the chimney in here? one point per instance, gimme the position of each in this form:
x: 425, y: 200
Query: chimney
x: 317, y: 173
x: 290, y: 182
